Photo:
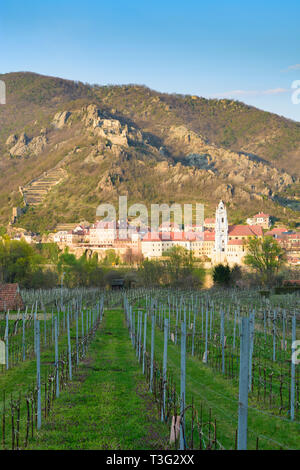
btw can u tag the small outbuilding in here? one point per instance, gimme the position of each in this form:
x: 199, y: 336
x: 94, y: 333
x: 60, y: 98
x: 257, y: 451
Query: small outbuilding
x: 117, y: 284
x: 10, y: 297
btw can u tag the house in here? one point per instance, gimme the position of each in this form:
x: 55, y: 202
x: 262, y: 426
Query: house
x: 235, y: 252
x: 60, y: 237
x: 276, y: 232
x: 10, y: 297
x: 264, y: 220
x: 103, y: 233
x: 209, y: 222
x: 169, y: 227
x: 243, y: 232
x: 203, y: 245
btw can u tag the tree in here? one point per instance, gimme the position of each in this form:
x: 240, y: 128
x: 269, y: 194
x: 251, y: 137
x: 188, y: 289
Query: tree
x: 266, y: 257
x: 131, y: 258
x: 151, y: 273
x: 80, y: 272
x: 18, y: 262
x: 180, y: 268
x: 111, y: 258
x: 222, y: 275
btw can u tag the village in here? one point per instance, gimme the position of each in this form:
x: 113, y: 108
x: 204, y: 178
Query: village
x: 215, y: 241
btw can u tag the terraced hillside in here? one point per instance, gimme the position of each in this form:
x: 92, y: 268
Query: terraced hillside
x: 35, y: 192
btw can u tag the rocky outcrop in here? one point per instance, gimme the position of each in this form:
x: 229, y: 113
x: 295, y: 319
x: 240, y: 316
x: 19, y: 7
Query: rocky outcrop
x: 237, y: 169
x: 23, y: 146
x: 110, y: 129
x: 60, y: 119
x: 12, y: 139
x: 182, y: 135
x: 109, y: 180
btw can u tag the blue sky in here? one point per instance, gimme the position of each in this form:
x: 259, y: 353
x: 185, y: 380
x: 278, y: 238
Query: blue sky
x: 245, y: 50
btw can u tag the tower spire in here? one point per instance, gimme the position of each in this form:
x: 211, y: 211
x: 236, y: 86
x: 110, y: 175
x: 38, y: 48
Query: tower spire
x: 221, y: 231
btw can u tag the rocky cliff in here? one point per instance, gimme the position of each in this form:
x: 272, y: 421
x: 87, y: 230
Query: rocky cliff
x: 147, y: 150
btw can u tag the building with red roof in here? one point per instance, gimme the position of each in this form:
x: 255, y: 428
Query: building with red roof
x: 275, y: 232
x: 203, y: 243
x: 10, y: 297
x: 264, y: 220
x: 242, y: 232
x: 155, y: 244
x: 209, y: 222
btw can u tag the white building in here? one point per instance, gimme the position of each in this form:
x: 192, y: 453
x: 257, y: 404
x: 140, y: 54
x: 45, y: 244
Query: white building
x: 221, y: 233
x: 264, y: 220
x: 103, y: 233
x: 155, y: 244
x: 60, y: 237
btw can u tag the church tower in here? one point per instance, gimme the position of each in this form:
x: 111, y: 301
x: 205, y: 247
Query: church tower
x: 221, y: 233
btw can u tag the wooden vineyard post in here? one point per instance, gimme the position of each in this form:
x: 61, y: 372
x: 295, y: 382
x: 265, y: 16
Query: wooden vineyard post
x: 52, y: 326
x: 283, y: 330
x: 38, y: 376
x: 77, y: 351
x: 145, y: 339
x: 243, y: 386
x: 206, y: 338
x: 182, y: 385
x: 176, y: 326
x: 194, y: 329
x: 133, y: 329
x: 82, y: 332
x: 69, y: 346
x: 251, y: 346
x: 56, y: 357
x: 222, y: 340
x: 169, y: 333
x: 140, y: 335
x: 293, y: 369
x: 274, y: 336
x: 34, y: 325
x: 152, y: 352
x: 234, y: 330
x: 6, y: 342
x: 23, y: 338
x: 45, y: 327
x: 166, y: 329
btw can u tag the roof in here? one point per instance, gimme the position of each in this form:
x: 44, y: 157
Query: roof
x: 293, y: 235
x: 209, y: 236
x: 276, y: 231
x: 210, y: 220
x: 245, y: 231
x: 172, y: 236
x: 236, y: 242
x: 10, y: 297
x: 260, y: 214
x: 291, y: 282
x: 117, y: 282
x: 151, y: 237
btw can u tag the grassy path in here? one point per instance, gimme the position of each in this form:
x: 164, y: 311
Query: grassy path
x: 108, y: 405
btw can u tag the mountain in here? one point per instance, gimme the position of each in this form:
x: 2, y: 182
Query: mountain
x: 66, y: 147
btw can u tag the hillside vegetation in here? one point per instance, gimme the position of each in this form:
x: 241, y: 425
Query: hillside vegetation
x: 154, y: 147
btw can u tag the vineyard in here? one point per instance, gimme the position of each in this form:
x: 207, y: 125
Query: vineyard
x: 150, y: 369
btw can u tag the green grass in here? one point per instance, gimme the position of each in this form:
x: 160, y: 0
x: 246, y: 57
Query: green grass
x: 108, y: 405
x: 211, y: 389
